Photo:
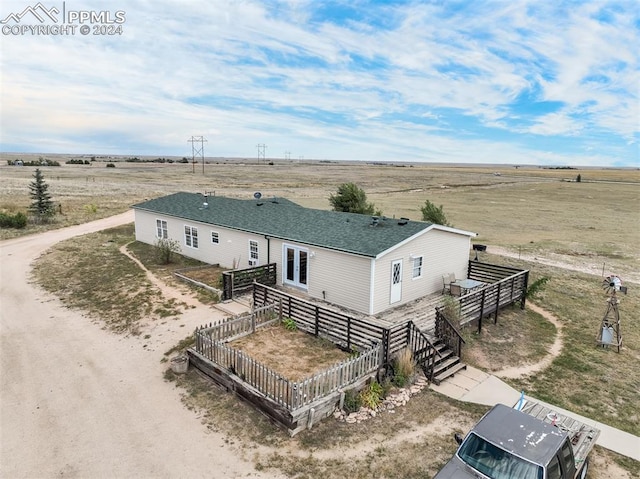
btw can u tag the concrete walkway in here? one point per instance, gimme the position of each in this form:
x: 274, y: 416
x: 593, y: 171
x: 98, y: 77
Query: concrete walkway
x: 473, y: 385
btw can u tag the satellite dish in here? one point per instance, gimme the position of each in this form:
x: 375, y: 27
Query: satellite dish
x: 257, y: 195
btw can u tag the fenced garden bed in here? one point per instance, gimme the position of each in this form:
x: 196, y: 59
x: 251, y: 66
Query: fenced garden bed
x: 295, y: 405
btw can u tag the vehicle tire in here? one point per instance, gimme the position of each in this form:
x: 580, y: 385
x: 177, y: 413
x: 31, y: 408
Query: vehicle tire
x: 583, y: 471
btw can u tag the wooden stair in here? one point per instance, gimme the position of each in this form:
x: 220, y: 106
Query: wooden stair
x: 446, y: 364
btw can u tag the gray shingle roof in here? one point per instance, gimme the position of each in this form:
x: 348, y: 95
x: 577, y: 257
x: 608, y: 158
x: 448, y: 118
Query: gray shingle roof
x: 281, y: 218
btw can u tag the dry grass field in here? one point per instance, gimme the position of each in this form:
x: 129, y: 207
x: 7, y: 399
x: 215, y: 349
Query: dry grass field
x: 535, y: 213
x: 530, y: 210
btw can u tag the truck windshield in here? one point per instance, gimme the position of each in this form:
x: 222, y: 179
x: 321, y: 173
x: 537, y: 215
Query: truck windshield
x: 495, y: 462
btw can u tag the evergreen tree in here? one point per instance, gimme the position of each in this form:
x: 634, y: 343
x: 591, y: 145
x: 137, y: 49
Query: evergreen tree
x: 42, y: 206
x: 352, y: 199
x: 434, y: 214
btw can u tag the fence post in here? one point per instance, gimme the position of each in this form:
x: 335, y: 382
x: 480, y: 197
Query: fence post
x: 349, y: 333
x: 317, y: 326
x: 280, y: 309
x: 253, y: 319
x: 495, y: 319
x: 385, y: 346
x: 484, y: 292
x: 524, y: 289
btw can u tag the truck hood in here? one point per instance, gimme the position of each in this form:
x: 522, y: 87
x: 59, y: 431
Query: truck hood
x: 456, y: 469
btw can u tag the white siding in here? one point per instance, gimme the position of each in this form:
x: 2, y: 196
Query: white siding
x: 231, y: 251
x: 443, y: 252
x: 340, y: 278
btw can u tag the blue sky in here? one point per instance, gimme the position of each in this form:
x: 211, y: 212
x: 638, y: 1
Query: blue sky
x: 518, y: 82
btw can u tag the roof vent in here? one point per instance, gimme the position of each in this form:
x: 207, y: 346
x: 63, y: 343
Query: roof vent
x: 259, y: 203
x: 403, y: 221
x: 375, y: 221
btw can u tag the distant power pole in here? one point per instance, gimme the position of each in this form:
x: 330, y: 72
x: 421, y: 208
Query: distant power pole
x: 197, y: 150
x: 261, y: 151
x: 287, y: 155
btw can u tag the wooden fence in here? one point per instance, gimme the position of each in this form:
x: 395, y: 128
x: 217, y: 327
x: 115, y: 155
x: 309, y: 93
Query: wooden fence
x: 212, y: 344
x: 506, y: 286
x: 235, y: 328
x: 241, y: 280
x: 345, y: 331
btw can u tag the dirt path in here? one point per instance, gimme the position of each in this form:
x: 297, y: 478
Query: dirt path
x: 79, y: 401
x: 565, y: 262
x: 554, y: 350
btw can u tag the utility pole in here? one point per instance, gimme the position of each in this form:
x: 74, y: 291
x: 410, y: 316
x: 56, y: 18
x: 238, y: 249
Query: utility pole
x: 287, y: 155
x: 261, y: 151
x: 197, y: 150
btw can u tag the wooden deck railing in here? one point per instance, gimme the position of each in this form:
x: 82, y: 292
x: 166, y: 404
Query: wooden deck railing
x: 347, y: 332
x: 424, y: 352
x: 448, y: 333
x: 490, y: 299
x: 241, y: 280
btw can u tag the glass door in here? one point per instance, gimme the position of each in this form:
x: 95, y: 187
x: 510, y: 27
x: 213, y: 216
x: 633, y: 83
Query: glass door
x: 296, y: 266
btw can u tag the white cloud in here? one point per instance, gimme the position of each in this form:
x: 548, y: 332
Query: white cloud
x: 263, y: 75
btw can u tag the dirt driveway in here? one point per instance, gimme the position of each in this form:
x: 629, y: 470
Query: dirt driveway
x: 78, y: 401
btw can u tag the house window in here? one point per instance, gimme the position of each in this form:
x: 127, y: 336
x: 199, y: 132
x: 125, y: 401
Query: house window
x: 253, y: 253
x: 417, y: 267
x: 191, y: 236
x: 215, y: 239
x: 161, y: 229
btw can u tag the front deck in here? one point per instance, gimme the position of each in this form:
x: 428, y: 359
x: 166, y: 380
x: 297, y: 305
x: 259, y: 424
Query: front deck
x: 422, y: 325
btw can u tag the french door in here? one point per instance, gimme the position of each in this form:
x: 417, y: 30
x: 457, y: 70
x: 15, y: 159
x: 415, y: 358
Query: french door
x: 296, y: 266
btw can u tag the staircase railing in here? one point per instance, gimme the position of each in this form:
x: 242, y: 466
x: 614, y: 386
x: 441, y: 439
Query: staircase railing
x: 424, y: 352
x: 448, y: 333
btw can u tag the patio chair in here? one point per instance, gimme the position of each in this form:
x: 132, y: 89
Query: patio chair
x: 455, y: 289
x: 445, y: 283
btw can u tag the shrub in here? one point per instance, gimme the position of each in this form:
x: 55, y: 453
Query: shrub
x: 18, y: 221
x: 451, y: 310
x: 535, y: 288
x: 352, y: 401
x: 404, y: 368
x: 110, y: 165
x: 91, y: 208
x: 164, y: 249
x: 289, y: 324
x: 372, y: 395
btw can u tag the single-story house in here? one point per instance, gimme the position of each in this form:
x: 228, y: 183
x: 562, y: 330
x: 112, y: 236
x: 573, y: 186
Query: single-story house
x: 368, y: 264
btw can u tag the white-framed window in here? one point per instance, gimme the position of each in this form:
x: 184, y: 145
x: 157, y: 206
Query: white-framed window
x: 161, y: 229
x: 191, y: 236
x: 215, y: 238
x: 417, y: 267
x: 253, y: 253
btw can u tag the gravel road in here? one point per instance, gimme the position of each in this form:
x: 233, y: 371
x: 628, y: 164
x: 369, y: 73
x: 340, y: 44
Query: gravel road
x: 78, y: 401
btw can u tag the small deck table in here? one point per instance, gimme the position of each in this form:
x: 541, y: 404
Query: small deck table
x: 468, y: 285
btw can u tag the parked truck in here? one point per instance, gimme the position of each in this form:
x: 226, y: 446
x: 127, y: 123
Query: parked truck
x: 529, y: 441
